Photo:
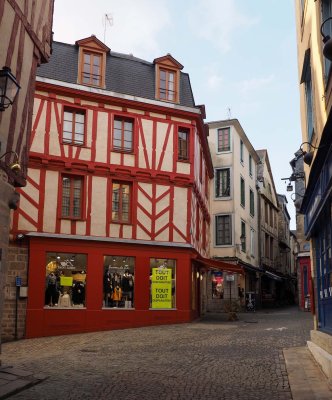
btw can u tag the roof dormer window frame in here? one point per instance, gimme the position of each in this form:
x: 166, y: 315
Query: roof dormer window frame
x: 92, y: 62
x: 167, y: 75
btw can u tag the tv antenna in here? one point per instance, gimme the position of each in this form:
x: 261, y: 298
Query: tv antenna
x: 108, y: 21
x: 229, y: 113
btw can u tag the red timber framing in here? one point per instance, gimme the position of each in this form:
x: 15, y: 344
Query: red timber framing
x: 154, y: 180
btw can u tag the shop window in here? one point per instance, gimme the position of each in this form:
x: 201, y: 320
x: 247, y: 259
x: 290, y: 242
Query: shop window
x: 72, y: 197
x: 162, y: 283
x: 73, y: 127
x: 123, y: 134
x: 118, y: 282
x: 65, y: 285
x: 121, y: 202
x: 217, y: 280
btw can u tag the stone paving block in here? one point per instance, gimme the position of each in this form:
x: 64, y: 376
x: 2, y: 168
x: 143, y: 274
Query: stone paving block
x: 18, y: 372
x: 7, y: 377
x: 13, y: 387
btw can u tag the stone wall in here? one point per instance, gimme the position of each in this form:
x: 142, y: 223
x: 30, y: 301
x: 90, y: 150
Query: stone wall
x: 17, y: 265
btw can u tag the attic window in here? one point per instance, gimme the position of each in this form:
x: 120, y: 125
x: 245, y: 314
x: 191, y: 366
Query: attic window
x: 167, y: 78
x: 167, y: 85
x: 91, y: 71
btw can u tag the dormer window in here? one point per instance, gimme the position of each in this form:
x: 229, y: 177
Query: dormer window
x: 167, y: 85
x: 92, y: 62
x: 168, y: 79
x: 91, y: 73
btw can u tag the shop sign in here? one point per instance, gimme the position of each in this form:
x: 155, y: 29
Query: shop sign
x: 66, y: 281
x: 229, y: 278
x: 161, y: 288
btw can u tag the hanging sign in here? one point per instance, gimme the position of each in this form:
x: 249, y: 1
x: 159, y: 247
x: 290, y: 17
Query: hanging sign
x: 161, y: 288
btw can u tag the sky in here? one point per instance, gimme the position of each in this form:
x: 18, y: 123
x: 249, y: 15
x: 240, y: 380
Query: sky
x: 240, y: 55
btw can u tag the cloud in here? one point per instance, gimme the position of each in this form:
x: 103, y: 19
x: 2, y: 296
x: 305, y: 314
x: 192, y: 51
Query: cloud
x: 216, y: 21
x: 214, y: 78
x: 249, y: 86
x: 136, y: 24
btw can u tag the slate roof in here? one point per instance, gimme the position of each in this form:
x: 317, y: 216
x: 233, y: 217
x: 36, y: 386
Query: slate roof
x: 125, y: 74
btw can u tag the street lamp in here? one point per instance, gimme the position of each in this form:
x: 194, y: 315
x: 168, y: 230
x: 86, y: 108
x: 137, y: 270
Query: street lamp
x: 327, y: 49
x: 14, y: 165
x: 308, y: 156
x: 8, y: 88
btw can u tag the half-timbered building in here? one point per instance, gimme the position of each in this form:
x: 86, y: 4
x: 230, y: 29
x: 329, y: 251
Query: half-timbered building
x: 116, y: 209
x: 25, y: 43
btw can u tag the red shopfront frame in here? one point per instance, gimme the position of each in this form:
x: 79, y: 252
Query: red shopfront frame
x: 41, y: 321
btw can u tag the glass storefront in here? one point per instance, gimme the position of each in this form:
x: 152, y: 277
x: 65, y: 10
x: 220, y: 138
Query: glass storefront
x: 65, y: 284
x: 217, y: 285
x: 118, y: 282
x: 162, y: 283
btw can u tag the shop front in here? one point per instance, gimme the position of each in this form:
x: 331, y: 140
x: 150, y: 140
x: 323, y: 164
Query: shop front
x: 91, y: 285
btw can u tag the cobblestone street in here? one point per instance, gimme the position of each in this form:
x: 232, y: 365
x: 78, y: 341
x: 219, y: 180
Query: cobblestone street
x: 207, y: 359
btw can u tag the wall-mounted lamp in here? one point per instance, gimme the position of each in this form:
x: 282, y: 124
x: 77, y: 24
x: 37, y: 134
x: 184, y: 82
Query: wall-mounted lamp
x: 327, y: 49
x: 308, y: 156
x: 289, y: 187
x: 8, y: 88
x: 295, y: 195
x: 19, y: 236
x: 14, y: 165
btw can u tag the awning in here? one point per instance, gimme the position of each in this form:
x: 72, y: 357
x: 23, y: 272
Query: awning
x: 273, y: 276
x: 221, y: 265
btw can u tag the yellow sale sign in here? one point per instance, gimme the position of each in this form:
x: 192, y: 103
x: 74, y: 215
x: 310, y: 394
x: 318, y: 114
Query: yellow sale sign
x: 66, y: 281
x: 161, y: 288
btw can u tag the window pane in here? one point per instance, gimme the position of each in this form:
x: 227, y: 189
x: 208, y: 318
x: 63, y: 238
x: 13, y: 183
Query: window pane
x: 67, y: 116
x: 119, y: 282
x: 162, y: 283
x: 65, y: 284
x: 223, y: 230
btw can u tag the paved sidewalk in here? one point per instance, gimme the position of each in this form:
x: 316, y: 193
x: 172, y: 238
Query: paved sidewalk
x: 14, y: 380
x: 306, y: 380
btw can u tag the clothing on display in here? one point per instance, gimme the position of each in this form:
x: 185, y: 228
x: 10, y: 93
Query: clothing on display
x: 118, y: 287
x: 51, y: 293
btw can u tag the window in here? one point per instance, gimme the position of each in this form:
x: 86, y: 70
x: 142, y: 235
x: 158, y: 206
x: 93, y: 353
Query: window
x: 121, y: 202
x: 223, y: 230
x: 207, y: 181
x: 167, y: 85
x: 306, y: 79
x: 252, y: 242
x: 183, y: 144
x: 250, y: 165
x: 243, y: 235
x: 266, y: 212
x: 267, y: 246
x: 118, y: 282
x: 65, y: 284
x: 73, y: 127
x: 222, y: 183
x: 217, y: 280
x: 224, y: 143
x: 91, y: 71
x: 271, y: 248
x: 327, y: 29
x: 241, y: 151
x: 243, y: 193
x: 271, y: 217
x: 252, y: 202
x: 72, y: 197
x: 201, y: 167
x: 197, y: 222
x: 162, y: 283
x: 123, y: 134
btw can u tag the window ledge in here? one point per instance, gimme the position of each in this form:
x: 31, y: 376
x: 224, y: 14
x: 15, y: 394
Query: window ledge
x: 64, y: 308
x: 117, y: 308
x: 162, y: 309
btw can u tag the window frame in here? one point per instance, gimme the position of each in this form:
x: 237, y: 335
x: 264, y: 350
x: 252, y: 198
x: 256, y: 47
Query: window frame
x: 241, y: 152
x: 71, y: 197
x: 222, y: 149
x: 123, y: 119
x: 74, y: 111
x: 186, y: 131
x: 167, y: 72
x: 250, y: 166
x: 216, y: 181
x: 252, y: 242
x: 242, y: 192
x: 119, y: 211
x: 243, y: 233
x: 230, y: 221
x: 251, y: 202
x: 101, y: 56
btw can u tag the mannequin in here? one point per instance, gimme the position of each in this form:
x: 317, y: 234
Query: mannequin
x: 117, y: 295
x: 64, y: 300
x: 108, y: 288
x: 127, y: 284
x: 78, y: 295
x: 51, y: 294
